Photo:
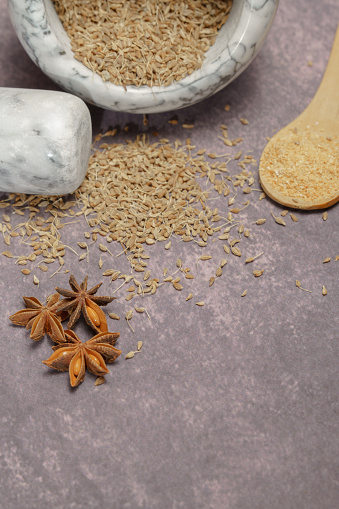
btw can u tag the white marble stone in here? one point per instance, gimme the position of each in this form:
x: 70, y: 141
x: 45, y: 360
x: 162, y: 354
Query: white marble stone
x: 43, y: 37
x: 45, y: 141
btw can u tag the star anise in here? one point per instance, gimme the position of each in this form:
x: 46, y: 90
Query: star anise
x: 80, y: 299
x: 76, y: 356
x: 41, y: 318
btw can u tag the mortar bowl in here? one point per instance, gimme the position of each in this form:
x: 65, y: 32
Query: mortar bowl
x: 43, y: 37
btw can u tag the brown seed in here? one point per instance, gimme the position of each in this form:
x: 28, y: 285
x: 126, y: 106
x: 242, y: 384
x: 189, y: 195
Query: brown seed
x: 211, y: 281
x: 189, y: 296
x: 258, y: 273
x: 260, y: 221
x: 9, y: 254
x: 139, y: 345
x: 130, y: 355
x: 244, y: 293
x: 324, y: 291
x: 114, y: 316
x: 284, y: 213
x: 278, y: 220
x: 200, y: 303
x: 325, y: 215
x: 328, y: 259
x: 129, y: 314
x: 178, y: 286
x: 218, y: 272
x: 99, y: 380
x: 236, y: 251
x: 294, y: 218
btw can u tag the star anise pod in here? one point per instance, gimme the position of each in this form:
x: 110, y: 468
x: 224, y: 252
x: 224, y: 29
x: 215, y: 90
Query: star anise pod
x: 79, y: 299
x: 76, y: 356
x: 41, y: 318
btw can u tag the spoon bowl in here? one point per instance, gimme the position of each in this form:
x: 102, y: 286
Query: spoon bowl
x: 43, y: 37
x: 299, y: 167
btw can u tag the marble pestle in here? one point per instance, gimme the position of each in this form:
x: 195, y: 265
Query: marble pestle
x: 45, y: 141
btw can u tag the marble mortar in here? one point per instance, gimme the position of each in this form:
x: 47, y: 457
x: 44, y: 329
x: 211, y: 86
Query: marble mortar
x: 238, y: 42
x: 45, y: 141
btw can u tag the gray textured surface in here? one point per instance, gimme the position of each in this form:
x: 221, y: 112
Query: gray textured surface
x: 230, y: 406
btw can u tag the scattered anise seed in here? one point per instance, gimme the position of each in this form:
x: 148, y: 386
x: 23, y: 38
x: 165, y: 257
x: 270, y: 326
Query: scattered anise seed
x: 236, y: 251
x: 36, y: 280
x: 223, y: 262
x: 200, y: 303
x: 189, y: 296
x: 284, y: 213
x: 205, y: 257
x: 260, y: 221
x: 298, y: 285
x: 99, y: 380
x: 258, y: 273
x: 129, y: 314
x: 278, y: 220
x: 178, y: 286
x: 139, y: 346
x: 328, y: 259
x: 294, y: 217
x: 218, y: 272
x: 244, y: 293
x: 337, y: 258
x: 211, y: 281
x: 114, y: 316
x: 179, y: 263
x: 131, y: 354
x: 324, y: 291
x: 9, y: 254
x: 325, y: 215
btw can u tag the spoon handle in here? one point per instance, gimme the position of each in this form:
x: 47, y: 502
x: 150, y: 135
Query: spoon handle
x: 325, y: 104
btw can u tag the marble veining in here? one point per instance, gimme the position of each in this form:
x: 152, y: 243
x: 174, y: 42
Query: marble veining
x: 238, y: 42
x: 45, y: 141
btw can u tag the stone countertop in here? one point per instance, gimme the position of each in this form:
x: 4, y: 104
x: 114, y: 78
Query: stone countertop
x: 232, y: 405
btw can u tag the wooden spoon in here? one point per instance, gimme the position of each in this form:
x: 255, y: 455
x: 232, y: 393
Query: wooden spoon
x: 299, y: 167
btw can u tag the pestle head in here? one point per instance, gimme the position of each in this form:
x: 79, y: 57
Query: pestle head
x: 45, y: 141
